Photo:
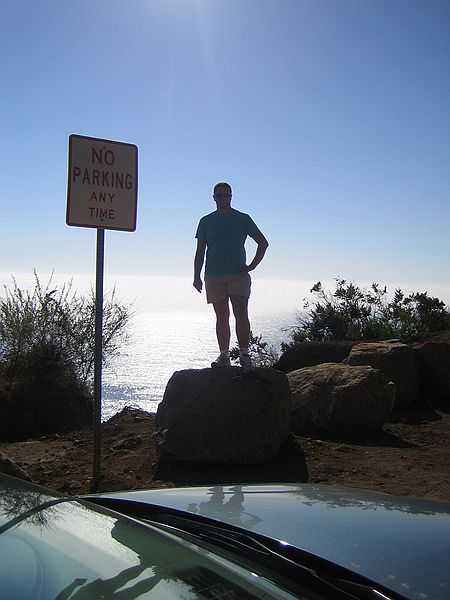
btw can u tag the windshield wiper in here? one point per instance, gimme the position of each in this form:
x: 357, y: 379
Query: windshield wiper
x: 291, y: 563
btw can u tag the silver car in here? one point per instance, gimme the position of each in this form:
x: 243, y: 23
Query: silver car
x: 221, y: 542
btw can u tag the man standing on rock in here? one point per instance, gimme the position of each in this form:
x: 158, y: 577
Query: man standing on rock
x: 222, y: 234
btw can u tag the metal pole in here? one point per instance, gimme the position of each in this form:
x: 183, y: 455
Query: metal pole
x: 98, y: 358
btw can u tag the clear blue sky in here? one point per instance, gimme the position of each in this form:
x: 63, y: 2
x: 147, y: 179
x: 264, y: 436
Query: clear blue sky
x: 330, y: 119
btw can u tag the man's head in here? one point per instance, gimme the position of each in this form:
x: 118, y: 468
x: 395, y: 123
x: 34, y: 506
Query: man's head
x: 222, y: 195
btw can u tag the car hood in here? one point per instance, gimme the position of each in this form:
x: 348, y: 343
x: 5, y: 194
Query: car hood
x: 400, y: 542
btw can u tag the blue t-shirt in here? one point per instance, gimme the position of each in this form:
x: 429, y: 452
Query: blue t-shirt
x: 225, y: 234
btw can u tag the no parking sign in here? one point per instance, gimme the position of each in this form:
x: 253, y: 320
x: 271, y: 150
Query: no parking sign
x: 102, y: 184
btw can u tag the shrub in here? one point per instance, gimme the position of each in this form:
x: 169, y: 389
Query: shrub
x: 352, y: 313
x: 51, y: 329
x: 261, y: 353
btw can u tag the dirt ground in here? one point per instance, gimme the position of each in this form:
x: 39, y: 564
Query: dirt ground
x: 409, y: 457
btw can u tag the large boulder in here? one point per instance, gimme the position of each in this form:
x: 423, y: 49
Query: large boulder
x: 218, y: 415
x: 433, y: 360
x: 396, y: 361
x: 308, y: 354
x: 340, y: 398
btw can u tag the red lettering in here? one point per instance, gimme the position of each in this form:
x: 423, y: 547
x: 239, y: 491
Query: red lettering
x: 101, y: 178
x: 103, y: 214
x: 119, y: 180
x: 97, y: 156
x: 76, y: 173
x: 110, y: 159
x: 86, y: 178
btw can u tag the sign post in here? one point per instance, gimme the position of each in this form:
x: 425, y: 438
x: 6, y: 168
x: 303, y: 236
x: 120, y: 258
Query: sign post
x: 102, y: 194
x: 98, y: 358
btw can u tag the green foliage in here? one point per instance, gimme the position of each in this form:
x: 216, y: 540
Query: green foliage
x: 353, y: 313
x: 260, y: 352
x: 52, y: 330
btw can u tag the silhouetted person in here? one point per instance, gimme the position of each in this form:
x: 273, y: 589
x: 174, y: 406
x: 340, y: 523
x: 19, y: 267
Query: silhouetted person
x: 222, y: 235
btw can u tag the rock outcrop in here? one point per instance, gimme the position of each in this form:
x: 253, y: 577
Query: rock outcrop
x: 396, y: 361
x: 218, y: 415
x: 309, y: 354
x: 30, y: 409
x: 340, y: 398
x: 433, y: 364
x: 420, y: 368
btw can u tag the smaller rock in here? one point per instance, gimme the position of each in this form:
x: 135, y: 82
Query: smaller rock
x: 141, y: 418
x: 11, y: 468
x: 308, y: 354
x: 396, y: 361
x: 126, y: 444
x: 340, y: 398
x: 433, y: 360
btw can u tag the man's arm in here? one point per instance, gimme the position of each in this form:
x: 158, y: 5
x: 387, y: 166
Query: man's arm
x: 198, y: 264
x: 263, y: 244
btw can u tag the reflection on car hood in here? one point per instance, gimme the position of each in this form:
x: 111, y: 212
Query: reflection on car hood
x: 403, y: 543
x: 19, y: 500
x: 55, y: 547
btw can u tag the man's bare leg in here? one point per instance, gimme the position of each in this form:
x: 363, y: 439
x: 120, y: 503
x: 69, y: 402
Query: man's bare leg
x: 222, y: 310
x: 240, y: 310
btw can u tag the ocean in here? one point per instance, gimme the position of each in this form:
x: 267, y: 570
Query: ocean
x: 161, y: 343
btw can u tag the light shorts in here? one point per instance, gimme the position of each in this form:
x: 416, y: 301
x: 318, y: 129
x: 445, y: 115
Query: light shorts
x: 220, y: 287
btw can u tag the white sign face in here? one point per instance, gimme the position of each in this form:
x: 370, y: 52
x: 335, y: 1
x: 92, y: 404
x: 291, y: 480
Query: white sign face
x: 102, y: 184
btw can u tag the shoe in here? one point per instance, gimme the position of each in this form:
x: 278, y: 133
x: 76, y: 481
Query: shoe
x: 223, y: 360
x: 246, y: 363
